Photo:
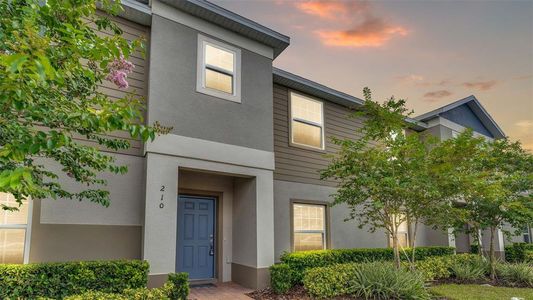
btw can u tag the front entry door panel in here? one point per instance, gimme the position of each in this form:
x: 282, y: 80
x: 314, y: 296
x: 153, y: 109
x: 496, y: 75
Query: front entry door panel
x: 196, y: 239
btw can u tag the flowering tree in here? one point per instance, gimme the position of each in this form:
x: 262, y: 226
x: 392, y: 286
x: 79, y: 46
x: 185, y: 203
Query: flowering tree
x: 51, y: 62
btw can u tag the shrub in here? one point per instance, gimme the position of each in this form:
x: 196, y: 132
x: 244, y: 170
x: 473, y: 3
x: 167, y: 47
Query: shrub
x: 529, y: 257
x: 301, y: 261
x: 281, y: 278
x: 440, y: 267
x: 517, y: 252
x: 520, y: 274
x: 58, y: 280
x: 376, y: 280
x: 434, y: 267
x: 179, y: 286
x: 469, y: 269
x: 176, y: 288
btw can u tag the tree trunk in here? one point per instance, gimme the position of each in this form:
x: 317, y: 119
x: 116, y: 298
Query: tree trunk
x: 492, y: 259
x: 395, y: 249
x: 412, y: 242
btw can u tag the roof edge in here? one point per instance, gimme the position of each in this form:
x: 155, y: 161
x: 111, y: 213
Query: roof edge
x: 237, y: 23
x: 478, y: 110
x: 313, y: 88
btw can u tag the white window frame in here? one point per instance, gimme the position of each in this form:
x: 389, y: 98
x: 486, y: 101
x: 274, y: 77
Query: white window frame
x: 203, y: 41
x: 27, y: 234
x: 324, y: 232
x: 322, y: 126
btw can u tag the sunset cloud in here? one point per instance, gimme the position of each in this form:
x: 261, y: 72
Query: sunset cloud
x: 480, y: 85
x: 525, y: 124
x: 332, y: 9
x: 369, y: 31
x: 437, y: 95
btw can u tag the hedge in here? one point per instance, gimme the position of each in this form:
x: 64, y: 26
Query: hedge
x: 517, y: 252
x: 375, y: 280
x: 298, y: 262
x: 58, y: 280
x: 176, y: 288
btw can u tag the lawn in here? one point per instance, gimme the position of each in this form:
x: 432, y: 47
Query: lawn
x: 479, y: 292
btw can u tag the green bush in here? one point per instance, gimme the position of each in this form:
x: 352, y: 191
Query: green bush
x: 529, y: 257
x: 469, y: 269
x: 520, y: 274
x: 434, y: 267
x: 440, y: 267
x: 180, y: 286
x: 176, y: 288
x: 281, y: 278
x: 58, y: 280
x: 375, y: 280
x: 301, y: 261
x: 517, y: 252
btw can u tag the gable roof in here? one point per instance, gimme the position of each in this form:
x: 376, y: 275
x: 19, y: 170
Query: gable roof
x: 318, y: 90
x: 477, y: 109
x: 234, y: 22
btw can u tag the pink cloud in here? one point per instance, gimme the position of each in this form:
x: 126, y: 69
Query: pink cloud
x: 436, y: 95
x: 480, y: 85
x: 332, y: 9
x: 372, y: 32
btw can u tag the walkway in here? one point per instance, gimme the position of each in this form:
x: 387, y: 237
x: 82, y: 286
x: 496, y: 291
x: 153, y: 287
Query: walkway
x: 219, y: 291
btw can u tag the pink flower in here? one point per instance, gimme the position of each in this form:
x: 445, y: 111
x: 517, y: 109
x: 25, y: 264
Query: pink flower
x: 118, y: 72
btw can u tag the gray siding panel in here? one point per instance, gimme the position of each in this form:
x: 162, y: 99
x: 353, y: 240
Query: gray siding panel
x: 302, y: 165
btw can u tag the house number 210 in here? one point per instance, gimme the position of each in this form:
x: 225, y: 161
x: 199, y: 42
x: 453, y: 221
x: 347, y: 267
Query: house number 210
x: 161, y: 205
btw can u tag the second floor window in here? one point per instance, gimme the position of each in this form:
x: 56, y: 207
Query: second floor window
x: 218, y: 69
x: 307, y: 121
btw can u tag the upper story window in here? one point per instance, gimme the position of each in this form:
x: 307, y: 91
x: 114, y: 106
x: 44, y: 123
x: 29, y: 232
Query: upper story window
x: 309, y: 224
x: 526, y: 235
x: 218, y: 71
x: 307, y: 122
x: 14, y: 231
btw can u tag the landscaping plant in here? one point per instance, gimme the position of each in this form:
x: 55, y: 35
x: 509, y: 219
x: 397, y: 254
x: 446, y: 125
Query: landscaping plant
x: 377, y: 280
x: 495, y: 180
x: 519, y: 274
x: 52, y: 62
x: 393, y: 181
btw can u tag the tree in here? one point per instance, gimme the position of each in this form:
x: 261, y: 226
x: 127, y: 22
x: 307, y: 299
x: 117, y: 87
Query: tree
x: 51, y: 62
x: 497, y: 181
x: 384, y: 176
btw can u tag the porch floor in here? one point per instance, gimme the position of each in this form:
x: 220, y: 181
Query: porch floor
x: 219, y: 291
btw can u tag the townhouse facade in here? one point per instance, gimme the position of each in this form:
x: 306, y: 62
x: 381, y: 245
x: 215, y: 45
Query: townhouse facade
x: 236, y: 182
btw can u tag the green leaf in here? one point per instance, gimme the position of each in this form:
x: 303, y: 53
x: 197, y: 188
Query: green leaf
x: 14, y: 62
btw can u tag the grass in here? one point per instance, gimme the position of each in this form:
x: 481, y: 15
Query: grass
x: 479, y: 292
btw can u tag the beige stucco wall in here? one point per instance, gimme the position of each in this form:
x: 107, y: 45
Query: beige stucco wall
x: 69, y: 242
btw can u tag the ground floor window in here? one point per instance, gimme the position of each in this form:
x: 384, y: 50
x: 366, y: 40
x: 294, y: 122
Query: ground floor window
x: 14, y: 231
x: 309, y: 225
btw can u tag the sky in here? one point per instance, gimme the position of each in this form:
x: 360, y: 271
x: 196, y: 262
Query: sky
x: 430, y: 53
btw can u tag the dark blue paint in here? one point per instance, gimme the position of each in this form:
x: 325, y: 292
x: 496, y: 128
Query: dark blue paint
x: 464, y: 115
x: 196, y: 238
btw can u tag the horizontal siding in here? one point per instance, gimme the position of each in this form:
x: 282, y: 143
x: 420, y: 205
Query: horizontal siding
x: 137, y: 81
x: 302, y: 165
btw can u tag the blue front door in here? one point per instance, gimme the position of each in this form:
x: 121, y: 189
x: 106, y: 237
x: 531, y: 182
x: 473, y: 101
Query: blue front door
x: 196, y: 240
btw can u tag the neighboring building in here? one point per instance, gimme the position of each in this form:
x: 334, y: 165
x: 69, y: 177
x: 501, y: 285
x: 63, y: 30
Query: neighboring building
x: 236, y: 182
